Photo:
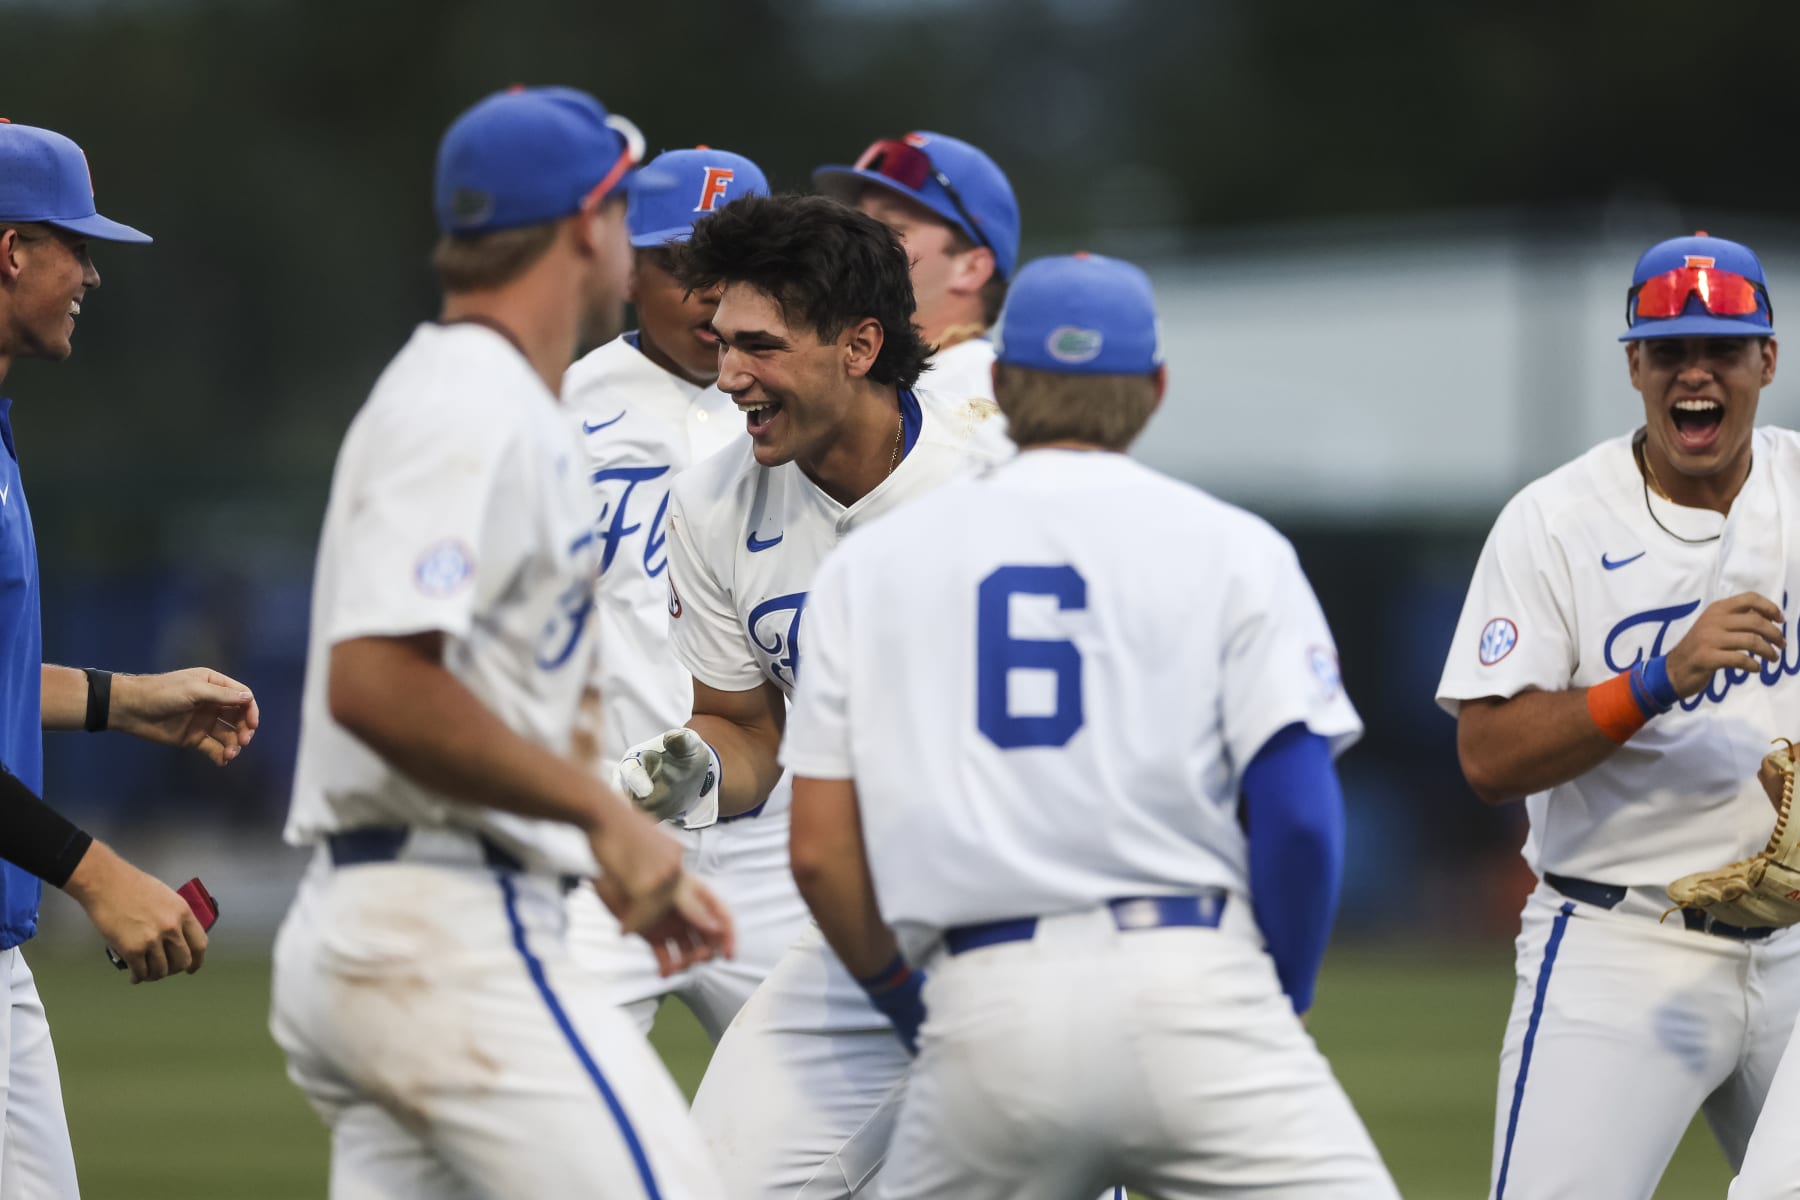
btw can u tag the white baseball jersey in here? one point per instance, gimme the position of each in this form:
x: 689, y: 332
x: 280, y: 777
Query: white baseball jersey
x: 962, y: 371
x: 1586, y: 573
x: 1036, y: 721
x: 459, y: 506
x: 746, y: 540
x: 641, y: 426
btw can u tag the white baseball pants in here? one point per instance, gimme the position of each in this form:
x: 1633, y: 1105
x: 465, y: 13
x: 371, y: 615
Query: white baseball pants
x: 1622, y: 1028
x: 1164, y: 1059
x: 432, y: 1016
x: 36, y: 1161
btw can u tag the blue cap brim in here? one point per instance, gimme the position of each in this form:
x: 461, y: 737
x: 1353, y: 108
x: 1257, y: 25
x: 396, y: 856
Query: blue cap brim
x: 102, y: 229
x: 1694, y: 325
x: 662, y: 237
x: 844, y: 183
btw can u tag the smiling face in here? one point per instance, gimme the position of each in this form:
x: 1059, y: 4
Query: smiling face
x: 795, y: 390
x: 44, y: 275
x: 1700, y: 397
x: 675, y: 324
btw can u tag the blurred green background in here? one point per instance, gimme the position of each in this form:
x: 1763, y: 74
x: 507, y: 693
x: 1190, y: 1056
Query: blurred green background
x: 175, y: 1090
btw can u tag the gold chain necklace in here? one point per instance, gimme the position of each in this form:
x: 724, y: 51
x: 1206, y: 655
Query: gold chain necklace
x: 1643, y: 453
x: 899, y: 435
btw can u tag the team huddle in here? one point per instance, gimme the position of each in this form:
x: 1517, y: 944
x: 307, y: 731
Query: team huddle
x: 813, y: 653
x: 813, y: 764
x: 1070, y: 791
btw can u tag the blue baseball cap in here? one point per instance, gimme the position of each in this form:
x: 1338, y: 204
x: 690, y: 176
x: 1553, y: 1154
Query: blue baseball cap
x: 1706, y: 265
x: 1080, y: 314
x: 44, y: 179
x: 528, y: 155
x: 676, y: 188
x: 948, y: 176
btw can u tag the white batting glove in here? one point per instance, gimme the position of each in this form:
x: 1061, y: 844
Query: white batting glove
x: 674, y: 774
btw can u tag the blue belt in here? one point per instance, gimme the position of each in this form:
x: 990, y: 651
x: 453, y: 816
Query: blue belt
x: 1609, y: 895
x: 384, y: 844
x: 1129, y: 914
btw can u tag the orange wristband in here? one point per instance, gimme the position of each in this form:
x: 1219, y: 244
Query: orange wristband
x: 1614, y: 709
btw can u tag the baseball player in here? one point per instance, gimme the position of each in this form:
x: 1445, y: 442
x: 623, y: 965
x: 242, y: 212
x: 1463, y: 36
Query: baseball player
x: 647, y: 409
x: 1080, y: 800
x: 954, y: 211
x: 423, y: 989
x: 47, y: 221
x: 820, y: 354
x: 1622, y: 664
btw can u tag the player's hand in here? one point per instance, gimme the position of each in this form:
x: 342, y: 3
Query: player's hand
x: 144, y: 920
x: 196, y: 708
x: 665, y: 775
x: 898, y: 993
x: 1739, y: 634
x: 640, y: 869
x: 696, y: 929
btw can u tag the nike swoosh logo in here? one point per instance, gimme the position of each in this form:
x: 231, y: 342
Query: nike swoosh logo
x: 757, y: 545
x: 592, y: 428
x: 1610, y: 565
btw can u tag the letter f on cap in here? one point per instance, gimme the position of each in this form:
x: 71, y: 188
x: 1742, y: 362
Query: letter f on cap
x: 713, y: 190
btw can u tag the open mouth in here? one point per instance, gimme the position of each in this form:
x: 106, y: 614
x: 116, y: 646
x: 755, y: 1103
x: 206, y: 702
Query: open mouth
x: 1697, y: 422
x: 758, y: 417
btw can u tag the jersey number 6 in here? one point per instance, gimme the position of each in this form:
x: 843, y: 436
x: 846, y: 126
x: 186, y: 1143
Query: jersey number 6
x: 998, y: 654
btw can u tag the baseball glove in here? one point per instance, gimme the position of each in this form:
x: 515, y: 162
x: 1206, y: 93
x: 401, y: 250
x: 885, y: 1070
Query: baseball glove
x: 1763, y: 889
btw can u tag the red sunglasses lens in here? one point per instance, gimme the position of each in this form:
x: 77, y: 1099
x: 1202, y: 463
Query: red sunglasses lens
x: 906, y: 165
x: 1723, y: 293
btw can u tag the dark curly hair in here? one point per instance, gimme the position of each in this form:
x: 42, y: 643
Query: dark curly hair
x: 824, y: 263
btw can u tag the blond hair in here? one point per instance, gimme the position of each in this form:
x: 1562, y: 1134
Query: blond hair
x: 476, y: 262
x: 1047, y: 406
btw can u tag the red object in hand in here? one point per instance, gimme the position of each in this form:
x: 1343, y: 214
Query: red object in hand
x: 206, y: 911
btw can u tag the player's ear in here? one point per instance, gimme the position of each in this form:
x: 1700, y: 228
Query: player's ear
x: 1768, y: 361
x: 863, y: 346
x: 11, y: 259
x: 1632, y: 350
x: 1161, y: 376
x: 974, y: 268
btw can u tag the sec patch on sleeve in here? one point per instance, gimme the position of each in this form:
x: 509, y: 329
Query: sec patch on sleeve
x: 1497, y: 640
x: 1325, y: 669
x: 444, y: 568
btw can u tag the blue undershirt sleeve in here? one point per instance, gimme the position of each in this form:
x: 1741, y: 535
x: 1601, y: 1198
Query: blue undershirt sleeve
x: 1294, y: 817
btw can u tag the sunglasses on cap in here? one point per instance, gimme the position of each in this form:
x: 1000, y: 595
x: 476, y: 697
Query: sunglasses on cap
x: 1723, y: 293
x: 910, y: 167
x: 632, y: 155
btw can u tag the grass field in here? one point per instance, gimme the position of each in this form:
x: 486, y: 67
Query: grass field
x: 175, y: 1091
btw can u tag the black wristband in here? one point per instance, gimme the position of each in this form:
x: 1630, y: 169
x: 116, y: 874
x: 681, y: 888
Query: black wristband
x: 99, y: 698
x: 35, y: 836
